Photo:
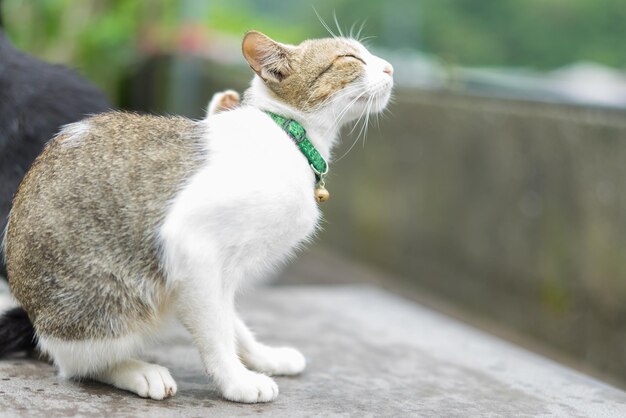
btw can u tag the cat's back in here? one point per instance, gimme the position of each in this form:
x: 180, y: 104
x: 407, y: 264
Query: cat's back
x: 135, y: 158
x: 90, y: 206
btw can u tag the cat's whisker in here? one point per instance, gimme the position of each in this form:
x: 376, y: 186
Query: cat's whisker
x: 349, y: 149
x: 337, y: 122
x: 367, y: 38
x: 385, y: 114
x: 367, y: 119
x: 364, y: 112
x: 351, y: 33
x: 337, y: 24
x: 342, y: 113
x: 335, y: 96
x: 378, y: 113
x: 339, y: 95
x: 350, y: 88
x: 324, y: 23
x: 369, y: 108
x: 357, y: 96
x: 358, y: 34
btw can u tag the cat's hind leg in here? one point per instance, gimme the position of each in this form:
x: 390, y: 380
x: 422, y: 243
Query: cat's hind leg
x: 274, y: 361
x: 145, y: 379
x: 110, y: 361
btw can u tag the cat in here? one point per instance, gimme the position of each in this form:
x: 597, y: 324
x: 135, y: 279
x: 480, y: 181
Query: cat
x: 15, y: 328
x: 126, y: 220
x: 36, y: 99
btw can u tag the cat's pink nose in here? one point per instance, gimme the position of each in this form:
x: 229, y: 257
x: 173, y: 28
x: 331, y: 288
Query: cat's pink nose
x: 388, y: 69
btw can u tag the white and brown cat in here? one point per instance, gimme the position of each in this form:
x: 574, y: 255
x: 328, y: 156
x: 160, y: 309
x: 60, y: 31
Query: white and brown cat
x: 126, y: 220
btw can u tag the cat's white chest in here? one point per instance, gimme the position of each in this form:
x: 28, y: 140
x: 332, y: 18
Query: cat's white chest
x: 250, y: 205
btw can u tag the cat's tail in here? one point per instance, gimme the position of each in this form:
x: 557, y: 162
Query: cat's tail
x: 16, y: 332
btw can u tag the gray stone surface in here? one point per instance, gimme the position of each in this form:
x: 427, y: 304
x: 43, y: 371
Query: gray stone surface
x: 370, y: 354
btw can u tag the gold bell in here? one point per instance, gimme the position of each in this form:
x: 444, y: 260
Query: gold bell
x: 321, y: 194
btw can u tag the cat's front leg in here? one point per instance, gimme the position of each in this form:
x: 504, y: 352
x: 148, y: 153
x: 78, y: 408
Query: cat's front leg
x: 275, y: 361
x: 206, y: 308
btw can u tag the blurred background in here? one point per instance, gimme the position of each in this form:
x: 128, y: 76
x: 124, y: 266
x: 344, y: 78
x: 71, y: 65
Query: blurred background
x: 493, y: 188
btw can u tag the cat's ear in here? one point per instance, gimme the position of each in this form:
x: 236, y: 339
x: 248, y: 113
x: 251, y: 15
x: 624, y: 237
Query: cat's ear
x: 268, y: 58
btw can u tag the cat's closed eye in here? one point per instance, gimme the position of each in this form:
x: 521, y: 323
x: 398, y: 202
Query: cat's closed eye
x: 351, y: 56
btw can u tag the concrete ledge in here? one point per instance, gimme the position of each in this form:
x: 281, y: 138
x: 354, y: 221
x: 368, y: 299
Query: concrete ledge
x: 370, y: 354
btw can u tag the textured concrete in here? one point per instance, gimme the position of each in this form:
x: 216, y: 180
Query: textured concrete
x: 370, y: 354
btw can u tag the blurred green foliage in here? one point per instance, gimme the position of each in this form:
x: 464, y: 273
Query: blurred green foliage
x: 541, y: 34
x: 99, y: 37
x: 103, y: 38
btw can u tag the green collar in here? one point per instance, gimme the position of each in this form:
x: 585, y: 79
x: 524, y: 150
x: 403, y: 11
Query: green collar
x: 298, y: 134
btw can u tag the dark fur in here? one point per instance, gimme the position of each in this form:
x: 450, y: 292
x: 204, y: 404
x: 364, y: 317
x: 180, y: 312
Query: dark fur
x: 16, y: 332
x: 36, y: 99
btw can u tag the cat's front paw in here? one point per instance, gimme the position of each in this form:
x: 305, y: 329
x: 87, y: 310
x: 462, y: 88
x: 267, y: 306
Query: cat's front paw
x: 249, y: 387
x: 276, y: 361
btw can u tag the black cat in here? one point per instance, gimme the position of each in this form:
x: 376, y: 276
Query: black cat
x: 36, y: 99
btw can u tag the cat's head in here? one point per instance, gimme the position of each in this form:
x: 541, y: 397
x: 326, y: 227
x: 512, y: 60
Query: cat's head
x: 334, y: 78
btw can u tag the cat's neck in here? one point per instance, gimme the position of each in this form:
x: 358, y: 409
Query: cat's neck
x: 322, y: 131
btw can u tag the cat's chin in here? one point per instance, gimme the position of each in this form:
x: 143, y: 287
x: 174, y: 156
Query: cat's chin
x: 380, y: 102
x: 372, y: 103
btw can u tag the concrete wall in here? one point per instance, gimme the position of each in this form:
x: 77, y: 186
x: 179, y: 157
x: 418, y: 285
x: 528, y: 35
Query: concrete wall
x: 514, y: 210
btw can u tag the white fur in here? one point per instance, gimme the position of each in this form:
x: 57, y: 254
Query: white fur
x: 3, y: 242
x: 73, y: 134
x: 111, y: 361
x: 88, y: 358
x: 237, y: 218
x: 273, y: 361
x: 242, y: 214
x: 6, y: 300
